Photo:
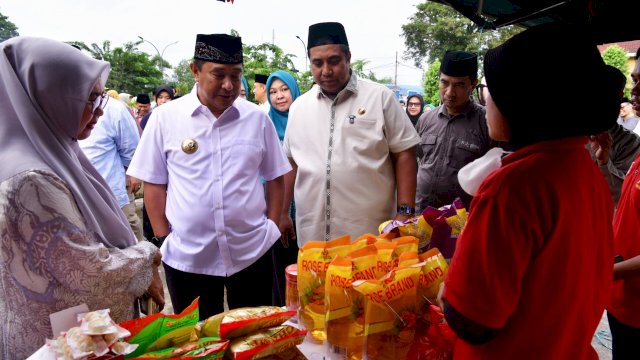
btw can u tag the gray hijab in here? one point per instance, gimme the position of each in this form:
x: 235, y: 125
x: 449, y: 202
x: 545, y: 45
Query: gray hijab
x: 44, y: 86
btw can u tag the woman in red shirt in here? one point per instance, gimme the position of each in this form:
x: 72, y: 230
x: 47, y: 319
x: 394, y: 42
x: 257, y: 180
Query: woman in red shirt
x: 530, y: 275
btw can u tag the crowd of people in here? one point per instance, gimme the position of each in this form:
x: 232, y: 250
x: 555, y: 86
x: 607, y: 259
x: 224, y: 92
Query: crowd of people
x: 232, y: 189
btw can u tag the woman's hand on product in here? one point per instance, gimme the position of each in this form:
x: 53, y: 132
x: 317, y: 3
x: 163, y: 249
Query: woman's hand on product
x: 156, y: 290
x: 287, y: 233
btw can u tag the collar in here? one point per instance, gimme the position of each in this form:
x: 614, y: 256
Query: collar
x: 195, y: 106
x: 469, y: 109
x: 351, y: 87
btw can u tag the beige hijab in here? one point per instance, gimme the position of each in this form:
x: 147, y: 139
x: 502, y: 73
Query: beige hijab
x: 44, y: 86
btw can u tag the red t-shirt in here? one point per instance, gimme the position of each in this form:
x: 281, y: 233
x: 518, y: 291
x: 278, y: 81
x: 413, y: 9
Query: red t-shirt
x: 625, y: 299
x: 535, y: 259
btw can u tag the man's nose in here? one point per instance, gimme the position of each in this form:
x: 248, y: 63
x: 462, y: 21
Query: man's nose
x: 227, y: 84
x: 327, y: 70
x: 448, y: 90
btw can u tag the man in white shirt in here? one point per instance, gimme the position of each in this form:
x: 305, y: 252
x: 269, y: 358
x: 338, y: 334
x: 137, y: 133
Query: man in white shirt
x: 201, y: 160
x: 260, y: 92
x: 351, y: 146
x: 627, y: 118
x: 110, y: 148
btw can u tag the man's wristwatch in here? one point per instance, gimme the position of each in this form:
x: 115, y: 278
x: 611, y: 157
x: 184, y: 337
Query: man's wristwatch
x: 158, y: 240
x: 408, y: 210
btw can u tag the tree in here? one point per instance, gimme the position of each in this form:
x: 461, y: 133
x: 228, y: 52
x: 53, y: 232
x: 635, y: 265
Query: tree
x: 436, y: 28
x: 357, y: 66
x: 264, y: 59
x: 132, y: 71
x: 431, y: 84
x: 183, y: 79
x: 615, y: 56
x: 7, y: 28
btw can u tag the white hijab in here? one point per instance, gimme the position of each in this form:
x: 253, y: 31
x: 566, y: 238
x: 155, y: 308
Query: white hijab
x: 44, y: 86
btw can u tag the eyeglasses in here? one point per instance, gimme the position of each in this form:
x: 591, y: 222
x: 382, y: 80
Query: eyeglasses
x: 481, y: 97
x: 98, y: 100
x: 413, y: 104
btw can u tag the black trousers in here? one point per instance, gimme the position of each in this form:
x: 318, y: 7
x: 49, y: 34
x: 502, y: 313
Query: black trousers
x: 247, y: 288
x: 625, y: 339
x: 282, y: 257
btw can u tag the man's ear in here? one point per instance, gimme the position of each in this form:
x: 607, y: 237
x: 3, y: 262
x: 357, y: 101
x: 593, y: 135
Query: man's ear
x: 195, y: 71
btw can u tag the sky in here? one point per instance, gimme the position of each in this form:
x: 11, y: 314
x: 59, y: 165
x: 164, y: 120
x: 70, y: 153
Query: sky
x: 373, y: 27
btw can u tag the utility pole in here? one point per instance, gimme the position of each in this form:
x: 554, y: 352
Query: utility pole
x: 396, y: 76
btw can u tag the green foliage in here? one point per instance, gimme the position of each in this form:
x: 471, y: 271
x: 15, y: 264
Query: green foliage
x: 7, y: 28
x: 266, y: 58
x: 305, y: 81
x: 431, y: 84
x: 183, y: 79
x: 615, y: 56
x: 132, y: 71
x: 436, y: 28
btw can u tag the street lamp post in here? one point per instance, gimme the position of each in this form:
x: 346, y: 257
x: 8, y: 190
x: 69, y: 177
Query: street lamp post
x: 306, y: 55
x: 160, y: 54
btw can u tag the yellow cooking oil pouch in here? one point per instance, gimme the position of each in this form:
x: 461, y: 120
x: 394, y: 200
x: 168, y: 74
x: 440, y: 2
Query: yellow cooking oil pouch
x: 313, y: 261
x: 390, y: 313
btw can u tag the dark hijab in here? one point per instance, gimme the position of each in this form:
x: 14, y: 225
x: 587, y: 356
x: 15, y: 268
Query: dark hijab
x: 414, y: 119
x: 545, y: 57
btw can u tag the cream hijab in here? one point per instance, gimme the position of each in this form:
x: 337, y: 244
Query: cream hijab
x: 44, y: 86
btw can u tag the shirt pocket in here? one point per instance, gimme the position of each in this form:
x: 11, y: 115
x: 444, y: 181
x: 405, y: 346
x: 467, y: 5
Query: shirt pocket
x: 246, y: 155
x: 464, y: 151
x: 363, y: 136
x: 359, y: 127
x: 428, y: 145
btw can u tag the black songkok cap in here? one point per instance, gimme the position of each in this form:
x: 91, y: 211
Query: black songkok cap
x: 459, y: 63
x: 219, y: 48
x: 143, y: 99
x: 327, y: 33
x: 262, y: 79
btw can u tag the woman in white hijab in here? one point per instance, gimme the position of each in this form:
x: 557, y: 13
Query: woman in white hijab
x: 63, y: 239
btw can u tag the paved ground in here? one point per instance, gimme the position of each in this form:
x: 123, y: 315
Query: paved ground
x: 601, y: 341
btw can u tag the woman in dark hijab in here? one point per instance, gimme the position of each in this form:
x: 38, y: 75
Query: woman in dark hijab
x: 415, y: 107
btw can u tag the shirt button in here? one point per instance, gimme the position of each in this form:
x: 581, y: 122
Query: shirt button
x: 218, y: 205
x: 217, y: 178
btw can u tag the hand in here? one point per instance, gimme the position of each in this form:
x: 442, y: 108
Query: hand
x: 440, y: 299
x: 156, y: 290
x: 157, y: 259
x: 133, y: 184
x: 600, y: 145
x: 402, y: 217
x: 286, y: 230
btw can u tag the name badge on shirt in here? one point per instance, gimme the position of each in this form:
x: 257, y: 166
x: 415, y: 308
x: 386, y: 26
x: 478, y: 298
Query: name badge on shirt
x: 189, y: 146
